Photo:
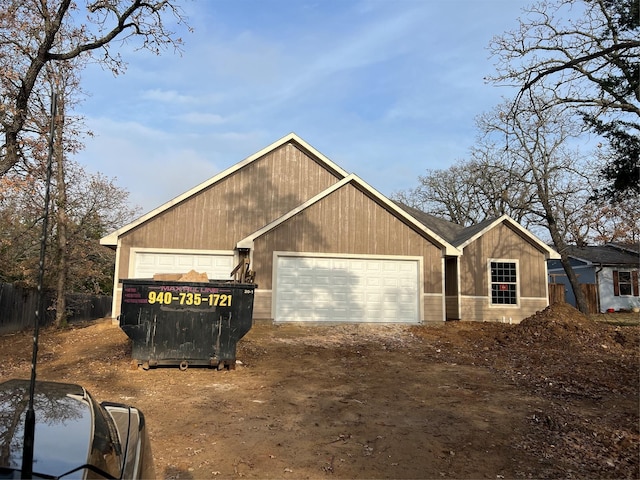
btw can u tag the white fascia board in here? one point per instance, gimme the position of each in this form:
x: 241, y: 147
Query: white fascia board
x: 551, y: 254
x: 293, y: 137
x: 112, y: 238
x: 588, y: 263
x: 447, y: 247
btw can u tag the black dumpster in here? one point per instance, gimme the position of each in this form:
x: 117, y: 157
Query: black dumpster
x: 185, y: 323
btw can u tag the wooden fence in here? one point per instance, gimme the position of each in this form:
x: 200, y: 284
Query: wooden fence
x: 590, y: 290
x: 556, y: 293
x: 18, y: 307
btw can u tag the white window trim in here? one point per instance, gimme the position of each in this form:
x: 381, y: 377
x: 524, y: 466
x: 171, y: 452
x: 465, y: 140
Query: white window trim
x: 490, y: 295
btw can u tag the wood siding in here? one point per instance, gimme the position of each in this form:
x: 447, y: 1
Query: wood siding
x: 433, y: 309
x: 262, y: 305
x: 502, y: 242
x: 347, y: 222
x: 479, y: 309
x: 218, y: 217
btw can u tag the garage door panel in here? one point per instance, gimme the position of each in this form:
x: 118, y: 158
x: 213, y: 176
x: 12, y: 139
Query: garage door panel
x: 285, y: 264
x: 305, y: 280
x: 357, y: 266
x: 341, y: 281
x: 341, y: 265
x: 404, y: 298
x: 405, y: 270
x: 167, y: 260
x: 339, y: 298
x: 187, y: 262
x: 391, y: 282
x: 346, y: 289
x: 406, y: 283
x: 216, y: 266
x: 323, y: 298
x: 374, y: 298
x: 322, y: 279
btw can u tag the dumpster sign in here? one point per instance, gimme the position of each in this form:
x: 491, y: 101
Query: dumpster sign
x: 179, y: 296
x: 185, y: 323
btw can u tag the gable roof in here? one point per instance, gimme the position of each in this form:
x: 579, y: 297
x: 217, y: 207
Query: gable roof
x: 626, y: 247
x: 112, y: 238
x: 608, y: 255
x: 447, y: 230
x: 460, y: 236
x: 371, y: 192
x: 452, y: 238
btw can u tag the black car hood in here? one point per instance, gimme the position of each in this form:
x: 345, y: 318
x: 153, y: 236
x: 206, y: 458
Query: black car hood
x: 63, y: 432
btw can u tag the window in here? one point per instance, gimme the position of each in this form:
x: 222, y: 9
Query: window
x: 504, y: 283
x: 624, y: 285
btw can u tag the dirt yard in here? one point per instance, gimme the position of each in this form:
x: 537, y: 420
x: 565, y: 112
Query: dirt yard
x: 554, y: 397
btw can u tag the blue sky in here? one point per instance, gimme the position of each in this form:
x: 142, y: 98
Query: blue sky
x: 385, y: 88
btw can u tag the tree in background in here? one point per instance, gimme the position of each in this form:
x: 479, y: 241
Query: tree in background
x: 617, y: 223
x: 471, y: 191
x: 44, y: 45
x: 582, y: 55
x: 84, y: 207
x: 522, y: 165
x: 37, y: 33
x: 95, y: 206
x: 19, y: 235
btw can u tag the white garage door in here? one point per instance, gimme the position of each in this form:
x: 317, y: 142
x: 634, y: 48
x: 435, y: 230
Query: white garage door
x: 217, y: 266
x: 332, y: 289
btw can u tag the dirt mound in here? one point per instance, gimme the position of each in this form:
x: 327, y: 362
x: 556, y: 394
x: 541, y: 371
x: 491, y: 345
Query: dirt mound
x: 562, y: 326
x: 558, y: 314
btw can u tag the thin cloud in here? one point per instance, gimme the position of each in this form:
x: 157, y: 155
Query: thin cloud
x: 201, y: 119
x: 168, y: 96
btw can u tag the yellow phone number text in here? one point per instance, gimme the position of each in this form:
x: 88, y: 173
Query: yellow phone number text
x: 212, y: 300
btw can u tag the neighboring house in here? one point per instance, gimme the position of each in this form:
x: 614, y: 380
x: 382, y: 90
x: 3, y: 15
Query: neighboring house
x: 326, y: 247
x: 612, y: 268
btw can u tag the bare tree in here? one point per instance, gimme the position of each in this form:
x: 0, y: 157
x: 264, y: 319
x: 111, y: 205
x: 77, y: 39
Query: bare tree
x: 34, y: 33
x: 96, y: 206
x: 471, y: 191
x: 88, y: 204
x: 537, y: 140
x: 62, y: 252
x: 445, y: 193
x: 60, y: 77
x: 583, y: 55
x: 525, y: 166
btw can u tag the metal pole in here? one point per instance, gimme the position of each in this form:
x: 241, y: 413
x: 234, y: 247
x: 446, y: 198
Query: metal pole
x: 30, y: 420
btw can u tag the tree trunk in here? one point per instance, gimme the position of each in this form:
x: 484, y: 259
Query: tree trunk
x: 561, y: 246
x: 61, y: 220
